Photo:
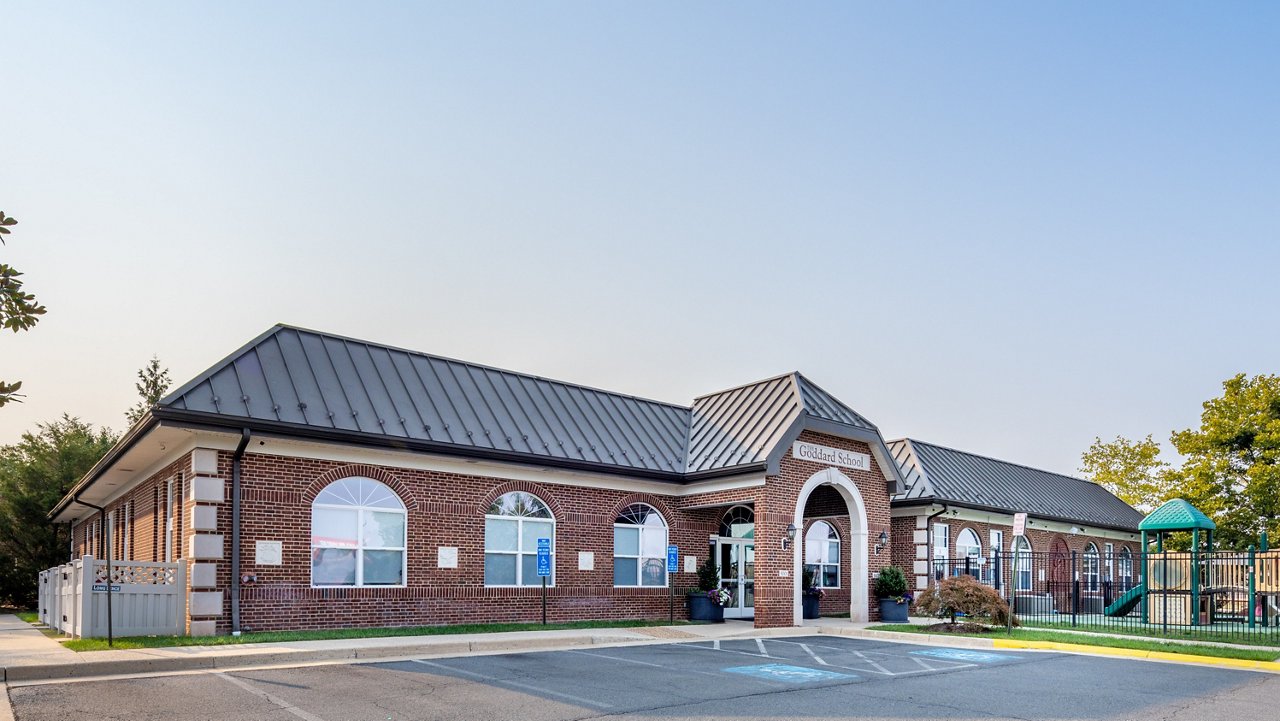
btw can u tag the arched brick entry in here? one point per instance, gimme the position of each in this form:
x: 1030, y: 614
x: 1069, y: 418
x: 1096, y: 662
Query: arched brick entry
x: 857, y: 543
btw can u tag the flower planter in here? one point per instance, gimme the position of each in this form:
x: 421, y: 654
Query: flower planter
x: 809, y: 605
x: 702, y: 608
x: 892, y: 612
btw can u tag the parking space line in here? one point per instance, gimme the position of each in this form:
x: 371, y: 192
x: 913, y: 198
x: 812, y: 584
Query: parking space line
x: 813, y: 655
x: 880, y: 668
x: 760, y: 645
x: 655, y: 665
x: 522, y: 686
x: 305, y: 715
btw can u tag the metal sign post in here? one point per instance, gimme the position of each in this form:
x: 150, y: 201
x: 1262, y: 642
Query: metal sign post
x: 544, y: 570
x: 673, y: 557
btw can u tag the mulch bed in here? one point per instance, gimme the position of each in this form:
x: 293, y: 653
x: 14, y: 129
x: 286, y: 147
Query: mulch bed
x: 957, y: 628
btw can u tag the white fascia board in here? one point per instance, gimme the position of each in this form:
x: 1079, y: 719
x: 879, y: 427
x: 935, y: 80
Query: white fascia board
x: 491, y: 469
x: 1033, y: 522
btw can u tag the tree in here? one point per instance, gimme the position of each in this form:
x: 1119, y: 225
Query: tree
x: 963, y: 594
x: 1232, y: 467
x: 19, y: 310
x: 35, y: 473
x: 153, y: 383
x: 1130, y: 469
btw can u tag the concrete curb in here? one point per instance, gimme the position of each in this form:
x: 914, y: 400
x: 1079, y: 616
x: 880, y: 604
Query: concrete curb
x: 278, y: 657
x: 1083, y: 649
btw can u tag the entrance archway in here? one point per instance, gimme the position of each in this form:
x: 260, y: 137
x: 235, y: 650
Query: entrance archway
x: 857, y: 543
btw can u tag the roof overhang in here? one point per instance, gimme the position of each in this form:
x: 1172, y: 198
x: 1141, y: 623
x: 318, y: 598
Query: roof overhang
x: 806, y: 422
x: 930, y: 501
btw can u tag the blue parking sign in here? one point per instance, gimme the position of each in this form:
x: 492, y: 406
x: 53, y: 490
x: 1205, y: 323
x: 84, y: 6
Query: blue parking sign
x: 544, y: 556
x: 673, y: 558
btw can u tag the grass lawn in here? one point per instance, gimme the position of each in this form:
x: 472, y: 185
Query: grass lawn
x: 1260, y: 637
x: 1140, y: 644
x: 28, y: 616
x: 100, y: 644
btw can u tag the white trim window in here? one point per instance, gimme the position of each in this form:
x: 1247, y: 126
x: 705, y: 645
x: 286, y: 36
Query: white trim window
x: 1109, y: 553
x: 1021, y: 564
x: 941, y: 549
x: 1091, y: 567
x: 969, y: 547
x: 512, y: 527
x: 1126, y: 569
x: 358, y: 535
x: 822, y: 554
x: 110, y: 549
x: 639, y: 547
x: 994, y: 573
x: 126, y: 545
x: 168, y: 522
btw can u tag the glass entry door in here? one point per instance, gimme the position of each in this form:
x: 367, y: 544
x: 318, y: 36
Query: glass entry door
x: 738, y: 575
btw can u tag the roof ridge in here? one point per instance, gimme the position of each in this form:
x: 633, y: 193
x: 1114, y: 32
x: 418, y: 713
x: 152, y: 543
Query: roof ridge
x: 745, y: 385
x: 992, y: 458
x: 448, y: 359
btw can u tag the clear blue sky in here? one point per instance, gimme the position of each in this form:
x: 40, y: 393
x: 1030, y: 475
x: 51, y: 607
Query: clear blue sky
x: 1006, y: 227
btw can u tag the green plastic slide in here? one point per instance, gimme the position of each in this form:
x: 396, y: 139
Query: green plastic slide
x: 1126, y: 603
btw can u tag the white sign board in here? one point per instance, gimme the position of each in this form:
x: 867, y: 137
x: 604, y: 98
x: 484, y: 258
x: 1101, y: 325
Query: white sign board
x: 1019, y: 524
x: 831, y: 456
x: 446, y: 556
x: 586, y: 561
x: 268, y: 553
x: 690, y: 564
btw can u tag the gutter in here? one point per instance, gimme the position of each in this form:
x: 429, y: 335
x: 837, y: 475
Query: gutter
x: 131, y: 438
x: 236, y: 458
x: 106, y: 547
x: 993, y: 509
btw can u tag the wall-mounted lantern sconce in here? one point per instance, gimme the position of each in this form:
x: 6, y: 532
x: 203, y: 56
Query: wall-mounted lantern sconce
x: 881, y: 541
x: 791, y: 536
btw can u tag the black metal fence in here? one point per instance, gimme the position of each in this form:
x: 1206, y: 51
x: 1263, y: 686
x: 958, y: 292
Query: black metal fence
x: 1224, y: 596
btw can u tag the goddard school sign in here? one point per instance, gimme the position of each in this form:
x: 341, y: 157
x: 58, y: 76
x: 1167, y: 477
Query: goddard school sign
x: 831, y: 456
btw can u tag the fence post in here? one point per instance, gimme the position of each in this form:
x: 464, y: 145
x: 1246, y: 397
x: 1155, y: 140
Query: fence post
x: 84, y: 598
x: 1253, y: 609
x: 1075, y: 587
x: 968, y: 571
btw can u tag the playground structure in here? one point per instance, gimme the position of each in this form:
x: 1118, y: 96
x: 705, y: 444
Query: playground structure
x: 1200, y: 587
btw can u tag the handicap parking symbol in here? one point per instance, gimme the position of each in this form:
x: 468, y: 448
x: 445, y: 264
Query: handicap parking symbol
x: 788, y: 674
x: 960, y: 654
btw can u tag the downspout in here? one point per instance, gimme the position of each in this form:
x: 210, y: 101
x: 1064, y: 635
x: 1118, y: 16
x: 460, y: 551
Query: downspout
x: 236, y: 458
x: 106, y: 548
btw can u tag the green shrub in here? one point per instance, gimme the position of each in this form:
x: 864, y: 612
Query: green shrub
x: 708, y: 575
x: 891, y: 583
x: 964, y: 595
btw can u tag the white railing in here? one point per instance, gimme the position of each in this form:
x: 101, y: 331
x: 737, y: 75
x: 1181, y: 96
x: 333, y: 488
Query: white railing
x: 146, y: 598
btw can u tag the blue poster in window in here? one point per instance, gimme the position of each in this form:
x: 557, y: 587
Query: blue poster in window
x: 544, y: 556
x: 673, y: 558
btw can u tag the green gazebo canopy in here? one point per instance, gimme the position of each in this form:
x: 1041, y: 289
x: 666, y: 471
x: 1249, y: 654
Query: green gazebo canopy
x: 1177, y: 515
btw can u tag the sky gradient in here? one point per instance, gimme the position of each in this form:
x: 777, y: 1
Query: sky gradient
x: 1003, y: 227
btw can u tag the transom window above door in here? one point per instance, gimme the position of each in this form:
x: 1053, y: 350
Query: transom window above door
x: 512, y: 526
x: 738, y: 522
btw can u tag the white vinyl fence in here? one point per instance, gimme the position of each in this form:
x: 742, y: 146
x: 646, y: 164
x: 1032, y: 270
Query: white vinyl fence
x: 147, y: 599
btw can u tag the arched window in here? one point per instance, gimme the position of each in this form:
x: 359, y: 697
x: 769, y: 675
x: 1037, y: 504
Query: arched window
x: 512, y: 527
x: 968, y: 553
x: 822, y: 554
x: 1125, y: 569
x: 639, y: 547
x: 1091, y: 567
x: 357, y: 535
x: 1022, y: 563
x: 738, y: 522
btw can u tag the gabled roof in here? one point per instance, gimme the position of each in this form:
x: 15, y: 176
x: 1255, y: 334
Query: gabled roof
x: 745, y: 425
x: 936, y: 473
x: 1177, y: 515
x: 295, y: 380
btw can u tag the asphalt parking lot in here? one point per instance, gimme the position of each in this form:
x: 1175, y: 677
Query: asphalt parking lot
x: 819, y: 677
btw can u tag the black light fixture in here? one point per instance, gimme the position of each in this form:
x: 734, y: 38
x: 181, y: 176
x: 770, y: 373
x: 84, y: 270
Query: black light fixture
x: 882, y: 541
x: 791, y: 535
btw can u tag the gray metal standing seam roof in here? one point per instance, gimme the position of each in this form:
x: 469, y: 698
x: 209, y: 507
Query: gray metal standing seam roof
x: 309, y: 384
x: 938, y: 473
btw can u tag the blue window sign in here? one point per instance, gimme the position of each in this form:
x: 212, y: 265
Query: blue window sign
x: 673, y: 558
x: 544, y: 556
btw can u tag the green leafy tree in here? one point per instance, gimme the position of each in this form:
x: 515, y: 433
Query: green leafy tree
x: 1232, y: 466
x: 153, y: 383
x: 19, y: 310
x: 35, y: 473
x: 1132, y: 470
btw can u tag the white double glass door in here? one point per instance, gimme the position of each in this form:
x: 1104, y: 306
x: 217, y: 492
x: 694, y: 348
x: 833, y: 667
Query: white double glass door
x: 738, y: 574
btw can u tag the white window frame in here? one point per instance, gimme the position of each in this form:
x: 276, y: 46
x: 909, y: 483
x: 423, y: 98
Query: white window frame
x: 520, y: 550
x: 819, y: 576
x: 109, y: 535
x: 360, y: 546
x: 941, y: 552
x: 639, y: 554
x: 1022, y: 562
x: 168, y: 522
x: 126, y: 529
x: 1126, y: 558
x: 996, y: 537
x: 1092, y: 568
x: 1110, y: 563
